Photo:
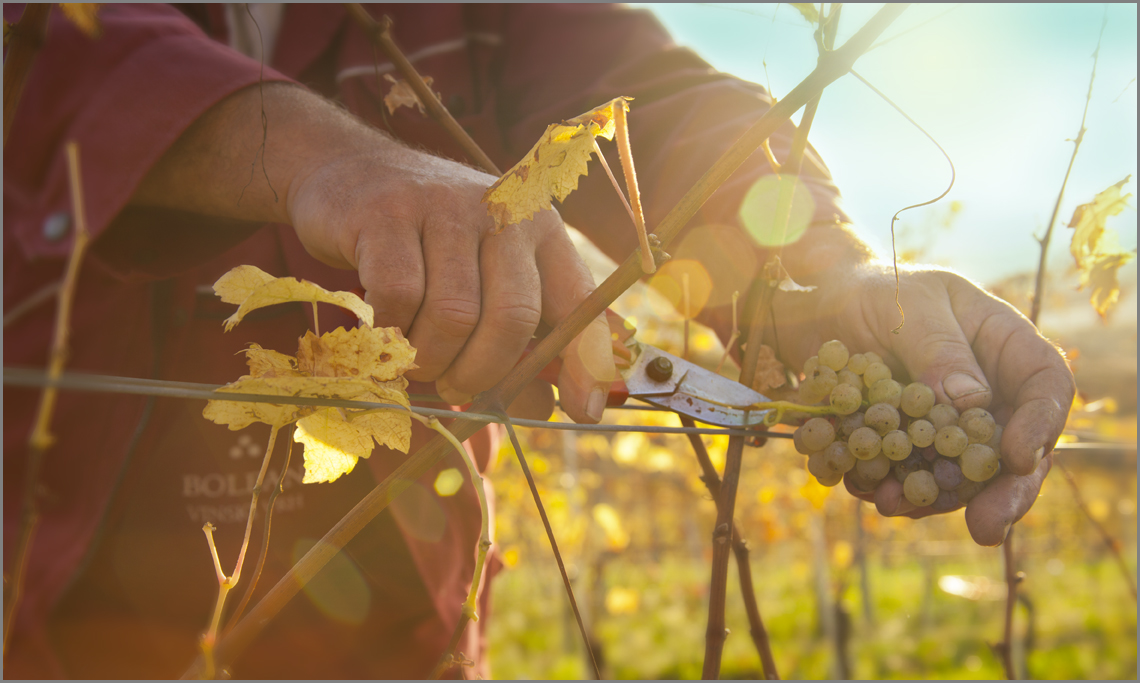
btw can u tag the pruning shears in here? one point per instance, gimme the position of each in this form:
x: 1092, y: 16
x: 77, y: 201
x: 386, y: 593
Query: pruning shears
x: 659, y: 378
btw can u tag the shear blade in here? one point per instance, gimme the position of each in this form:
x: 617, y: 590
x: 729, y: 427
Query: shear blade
x: 693, y: 391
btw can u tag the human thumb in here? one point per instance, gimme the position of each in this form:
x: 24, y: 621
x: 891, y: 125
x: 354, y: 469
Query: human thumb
x: 936, y: 352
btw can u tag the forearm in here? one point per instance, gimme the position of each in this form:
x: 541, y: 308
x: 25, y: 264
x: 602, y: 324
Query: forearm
x: 217, y: 167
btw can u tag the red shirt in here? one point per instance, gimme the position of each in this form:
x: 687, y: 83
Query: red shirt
x: 120, y: 581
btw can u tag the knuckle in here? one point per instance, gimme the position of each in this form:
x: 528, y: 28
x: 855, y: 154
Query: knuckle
x: 518, y: 318
x: 395, y: 296
x: 454, y: 316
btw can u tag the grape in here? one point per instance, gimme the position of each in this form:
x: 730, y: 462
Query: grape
x: 810, y: 365
x: 846, y: 399
x: 874, y: 469
x: 920, y: 489
x: 872, y: 357
x: 865, y: 443
x: 945, y: 502
x: 951, y: 441
x: 858, y: 363
x: 837, y: 457
x: 826, y: 378
x: 818, y: 385
x: 979, y: 462
x: 978, y: 424
x: 928, y: 454
x: 833, y: 354
x: 942, y: 415
x: 817, y: 434
x: 917, y: 399
x: 858, y: 482
x: 874, y: 373
x: 896, y: 445
x: 995, y: 440
x: 830, y: 479
x: 886, y: 391
x: 903, y: 468
x: 797, y: 441
x: 848, y: 377
x: 948, y: 474
x: 882, y: 417
x: 810, y: 392
x: 968, y: 489
x: 848, y: 424
x: 921, y: 433
x: 817, y: 466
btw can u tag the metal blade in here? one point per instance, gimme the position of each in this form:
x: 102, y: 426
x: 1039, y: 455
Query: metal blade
x: 691, y: 390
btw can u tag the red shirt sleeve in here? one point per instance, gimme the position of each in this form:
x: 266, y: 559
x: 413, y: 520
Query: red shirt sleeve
x: 561, y: 60
x: 125, y: 97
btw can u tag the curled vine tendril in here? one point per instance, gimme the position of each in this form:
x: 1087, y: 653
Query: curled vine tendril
x: 953, y: 176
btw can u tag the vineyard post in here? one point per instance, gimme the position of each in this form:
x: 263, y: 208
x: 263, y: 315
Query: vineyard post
x: 830, y: 67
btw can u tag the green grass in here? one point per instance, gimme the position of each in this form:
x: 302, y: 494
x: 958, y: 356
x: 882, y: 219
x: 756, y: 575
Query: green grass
x: 1085, y: 622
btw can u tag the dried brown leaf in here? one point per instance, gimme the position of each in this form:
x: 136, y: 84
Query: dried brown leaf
x: 401, y: 94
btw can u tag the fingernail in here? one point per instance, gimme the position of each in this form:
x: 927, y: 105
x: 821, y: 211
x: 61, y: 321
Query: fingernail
x: 960, y: 384
x: 1005, y: 532
x: 1037, y: 455
x: 449, y: 395
x: 596, y: 404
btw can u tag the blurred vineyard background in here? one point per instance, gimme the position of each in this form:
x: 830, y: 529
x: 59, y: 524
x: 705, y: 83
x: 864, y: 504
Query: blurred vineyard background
x: 844, y: 592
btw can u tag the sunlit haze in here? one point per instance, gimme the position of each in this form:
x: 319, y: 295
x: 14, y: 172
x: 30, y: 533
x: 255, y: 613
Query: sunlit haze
x: 1001, y: 87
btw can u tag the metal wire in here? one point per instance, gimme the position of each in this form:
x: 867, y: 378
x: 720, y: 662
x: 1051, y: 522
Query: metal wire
x: 28, y: 377
x: 34, y: 377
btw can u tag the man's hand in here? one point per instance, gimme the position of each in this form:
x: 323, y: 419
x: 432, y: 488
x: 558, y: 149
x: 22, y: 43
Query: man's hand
x: 413, y: 227
x: 970, y: 347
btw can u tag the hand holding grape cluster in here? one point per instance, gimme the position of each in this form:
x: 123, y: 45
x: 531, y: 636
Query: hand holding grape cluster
x: 881, y: 428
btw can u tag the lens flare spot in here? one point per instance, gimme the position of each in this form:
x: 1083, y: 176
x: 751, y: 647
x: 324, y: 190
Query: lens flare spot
x: 447, y: 483
x: 419, y: 513
x: 339, y: 590
x: 777, y: 210
x: 733, y: 253
x: 670, y: 279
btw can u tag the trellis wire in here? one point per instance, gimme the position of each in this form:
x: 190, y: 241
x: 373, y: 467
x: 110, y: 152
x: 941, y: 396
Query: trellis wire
x: 32, y: 377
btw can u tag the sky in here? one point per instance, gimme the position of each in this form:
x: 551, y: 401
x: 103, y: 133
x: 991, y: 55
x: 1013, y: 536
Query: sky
x: 1002, y: 89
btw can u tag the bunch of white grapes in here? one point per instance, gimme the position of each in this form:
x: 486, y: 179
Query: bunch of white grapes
x: 882, y: 428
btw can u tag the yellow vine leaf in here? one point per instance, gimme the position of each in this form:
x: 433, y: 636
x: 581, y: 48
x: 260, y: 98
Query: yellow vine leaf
x: 253, y: 288
x: 362, y: 364
x: 378, y: 353
x: 239, y: 283
x: 402, y: 95
x: 84, y: 15
x: 1095, y: 248
x: 551, y: 168
x: 334, y: 440
x: 1100, y: 277
x: 269, y: 363
x: 1088, y: 221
